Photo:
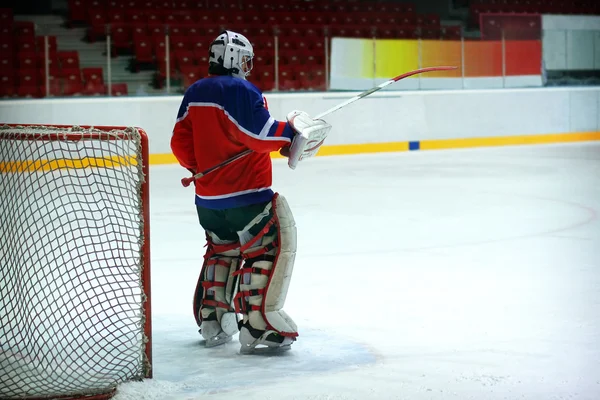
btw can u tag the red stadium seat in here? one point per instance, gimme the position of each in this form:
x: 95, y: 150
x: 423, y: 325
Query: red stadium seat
x: 92, y: 88
x: 71, y: 74
x: 143, y: 51
x: 96, y: 3
x: 92, y: 75
x: 53, y: 71
x: 6, y: 45
x: 287, y: 79
x: 6, y: 15
x: 201, y: 58
x: 185, y: 58
x: 183, y: 4
x: 119, y: 89
x: 53, y: 65
x: 263, y: 60
x: 28, y: 91
x: 73, y: 88
x: 77, y: 11
x: 452, y: 32
x: 389, y: 19
x: 266, y: 85
x: 162, y: 65
x: 408, y: 32
x: 315, y: 78
x: 24, y: 28
x: 190, y: 74
x: 116, y: 16
x: 138, y: 29
x: 253, y: 17
x: 181, y: 42
x: 52, y: 44
x: 313, y: 59
x: 360, y: 31
x: 68, y: 59
x: 97, y: 19
x: 407, y: 20
x: 134, y: 15
x: 8, y: 91
x: 263, y: 43
x: 121, y: 34
x: 428, y: 20
x: 177, y: 29
x: 7, y: 83
x: 25, y: 43
x: 200, y: 44
x: 27, y: 59
x: 6, y: 29
x: 431, y: 32
x: 72, y: 83
x: 55, y: 87
x: 289, y: 57
x: 7, y: 61
x: 154, y: 16
x: 386, y: 32
x: 157, y: 28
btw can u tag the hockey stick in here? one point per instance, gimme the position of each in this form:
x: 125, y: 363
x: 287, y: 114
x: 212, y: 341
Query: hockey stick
x: 187, y: 181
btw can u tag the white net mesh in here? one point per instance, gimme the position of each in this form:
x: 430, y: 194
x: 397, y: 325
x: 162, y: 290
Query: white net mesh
x: 71, y: 259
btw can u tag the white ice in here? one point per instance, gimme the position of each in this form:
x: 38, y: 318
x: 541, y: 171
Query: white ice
x: 458, y: 274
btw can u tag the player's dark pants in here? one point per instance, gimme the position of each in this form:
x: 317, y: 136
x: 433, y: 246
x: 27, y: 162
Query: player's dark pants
x: 226, y: 223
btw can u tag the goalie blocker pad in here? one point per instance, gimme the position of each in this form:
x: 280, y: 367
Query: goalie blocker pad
x: 310, y: 135
x: 267, y: 270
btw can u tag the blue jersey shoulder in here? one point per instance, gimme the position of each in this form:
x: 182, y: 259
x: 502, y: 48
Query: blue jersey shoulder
x: 237, y: 97
x: 222, y: 89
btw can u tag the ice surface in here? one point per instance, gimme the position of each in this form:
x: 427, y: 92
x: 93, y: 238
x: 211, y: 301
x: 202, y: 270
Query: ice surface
x: 467, y: 274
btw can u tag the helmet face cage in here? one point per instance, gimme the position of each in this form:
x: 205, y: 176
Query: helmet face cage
x: 234, y: 52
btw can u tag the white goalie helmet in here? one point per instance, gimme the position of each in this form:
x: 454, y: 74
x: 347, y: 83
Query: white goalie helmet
x: 233, y: 52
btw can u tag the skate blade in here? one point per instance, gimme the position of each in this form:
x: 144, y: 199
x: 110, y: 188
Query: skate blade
x: 265, y: 349
x: 217, y: 340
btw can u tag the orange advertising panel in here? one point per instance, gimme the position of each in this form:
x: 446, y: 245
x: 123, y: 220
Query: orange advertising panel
x: 523, y: 57
x: 363, y: 58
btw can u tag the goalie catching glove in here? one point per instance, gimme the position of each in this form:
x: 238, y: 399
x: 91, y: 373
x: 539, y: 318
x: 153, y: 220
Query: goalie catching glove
x: 310, y: 135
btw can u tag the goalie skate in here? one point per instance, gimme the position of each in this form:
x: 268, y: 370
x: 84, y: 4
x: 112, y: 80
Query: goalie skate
x: 254, y: 341
x: 215, y: 333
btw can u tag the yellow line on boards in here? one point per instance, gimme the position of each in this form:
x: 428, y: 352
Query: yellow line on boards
x: 332, y: 150
x: 508, y: 140
x: 327, y: 150
x: 346, y: 149
x: 64, y: 163
x: 165, y: 158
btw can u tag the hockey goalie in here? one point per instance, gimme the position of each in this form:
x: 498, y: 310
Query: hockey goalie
x: 250, y: 230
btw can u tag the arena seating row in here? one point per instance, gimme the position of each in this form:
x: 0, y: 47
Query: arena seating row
x: 141, y: 28
x: 26, y: 60
x: 478, y: 7
x: 78, y: 8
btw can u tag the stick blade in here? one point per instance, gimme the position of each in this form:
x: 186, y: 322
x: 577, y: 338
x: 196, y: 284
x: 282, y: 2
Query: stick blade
x: 424, y: 70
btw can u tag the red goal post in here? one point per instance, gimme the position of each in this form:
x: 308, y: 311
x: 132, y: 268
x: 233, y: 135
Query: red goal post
x: 75, y: 309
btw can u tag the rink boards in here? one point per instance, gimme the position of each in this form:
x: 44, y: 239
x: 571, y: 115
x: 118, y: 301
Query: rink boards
x: 386, y: 121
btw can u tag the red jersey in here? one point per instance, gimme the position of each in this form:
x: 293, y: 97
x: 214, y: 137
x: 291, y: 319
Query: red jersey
x: 219, y: 117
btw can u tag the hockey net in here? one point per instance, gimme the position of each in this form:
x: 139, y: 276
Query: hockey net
x: 74, y: 261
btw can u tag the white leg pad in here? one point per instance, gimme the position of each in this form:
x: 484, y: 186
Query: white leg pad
x: 266, y: 280
x: 216, y: 287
